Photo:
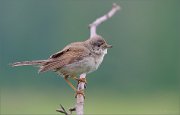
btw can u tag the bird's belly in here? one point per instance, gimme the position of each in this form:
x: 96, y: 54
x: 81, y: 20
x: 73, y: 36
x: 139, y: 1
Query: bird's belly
x: 84, y: 66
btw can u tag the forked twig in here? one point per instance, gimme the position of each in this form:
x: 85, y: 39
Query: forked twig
x: 62, y: 110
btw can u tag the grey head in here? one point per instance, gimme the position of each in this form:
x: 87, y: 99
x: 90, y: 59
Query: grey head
x: 98, y: 45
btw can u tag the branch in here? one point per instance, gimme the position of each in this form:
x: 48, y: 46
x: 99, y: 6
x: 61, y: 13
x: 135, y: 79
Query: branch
x: 98, y: 21
x: 80, y: 97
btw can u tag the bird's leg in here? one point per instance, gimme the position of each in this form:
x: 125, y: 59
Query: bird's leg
x: 70, y: 84
x: 77, y: 91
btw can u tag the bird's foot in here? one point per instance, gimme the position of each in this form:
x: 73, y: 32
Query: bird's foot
x: 80, y: 92
x: 81, y: 80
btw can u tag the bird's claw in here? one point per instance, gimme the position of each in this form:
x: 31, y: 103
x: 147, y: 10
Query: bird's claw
x: 82, y: 80
x: 80, y: 92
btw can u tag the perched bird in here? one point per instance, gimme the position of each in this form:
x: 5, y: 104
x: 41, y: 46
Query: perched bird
x: 75, y: 59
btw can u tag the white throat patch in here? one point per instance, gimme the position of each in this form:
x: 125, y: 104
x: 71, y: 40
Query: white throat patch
x: 105, y: 51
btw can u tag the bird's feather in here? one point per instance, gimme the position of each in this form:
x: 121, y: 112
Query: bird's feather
x: 36, y: 62
x: 70, y: 54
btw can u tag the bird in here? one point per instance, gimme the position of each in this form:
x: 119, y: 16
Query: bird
x: 77, y: 58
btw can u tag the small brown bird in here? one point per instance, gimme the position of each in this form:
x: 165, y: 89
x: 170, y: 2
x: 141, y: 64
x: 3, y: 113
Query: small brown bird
x: 75, y: 59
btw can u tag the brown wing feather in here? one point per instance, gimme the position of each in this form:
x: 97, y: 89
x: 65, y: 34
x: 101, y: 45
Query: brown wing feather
x: 70, y: 54
x: 58, y: 54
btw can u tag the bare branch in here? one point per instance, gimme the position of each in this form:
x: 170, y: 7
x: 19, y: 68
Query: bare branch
x: 80, y: 96
x: 98, y: 21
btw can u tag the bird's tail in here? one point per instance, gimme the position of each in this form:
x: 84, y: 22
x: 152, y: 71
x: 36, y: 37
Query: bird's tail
x: 36, y: 62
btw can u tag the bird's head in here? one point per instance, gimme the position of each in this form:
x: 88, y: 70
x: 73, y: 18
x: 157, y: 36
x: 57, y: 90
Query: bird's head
x: 98, y: 44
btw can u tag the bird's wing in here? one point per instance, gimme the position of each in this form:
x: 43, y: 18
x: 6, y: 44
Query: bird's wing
x: 68, y: 55
x: 58, y: 54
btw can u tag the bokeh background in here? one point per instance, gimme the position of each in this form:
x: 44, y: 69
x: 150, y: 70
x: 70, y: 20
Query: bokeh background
x: 140, y: 74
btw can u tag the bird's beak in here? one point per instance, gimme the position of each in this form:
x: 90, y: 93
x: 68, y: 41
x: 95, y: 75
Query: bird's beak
x: 108, y: 46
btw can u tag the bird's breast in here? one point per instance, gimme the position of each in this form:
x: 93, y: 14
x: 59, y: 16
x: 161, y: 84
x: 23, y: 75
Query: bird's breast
x: 86, y: 65
x: 99, y: 59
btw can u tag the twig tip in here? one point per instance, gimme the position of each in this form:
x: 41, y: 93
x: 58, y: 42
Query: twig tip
x: 116, y: 6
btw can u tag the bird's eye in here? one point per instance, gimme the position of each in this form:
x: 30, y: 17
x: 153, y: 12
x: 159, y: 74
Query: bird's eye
x: 99, y: 45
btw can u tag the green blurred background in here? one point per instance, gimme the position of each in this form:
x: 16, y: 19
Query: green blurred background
x: 140, y: 74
